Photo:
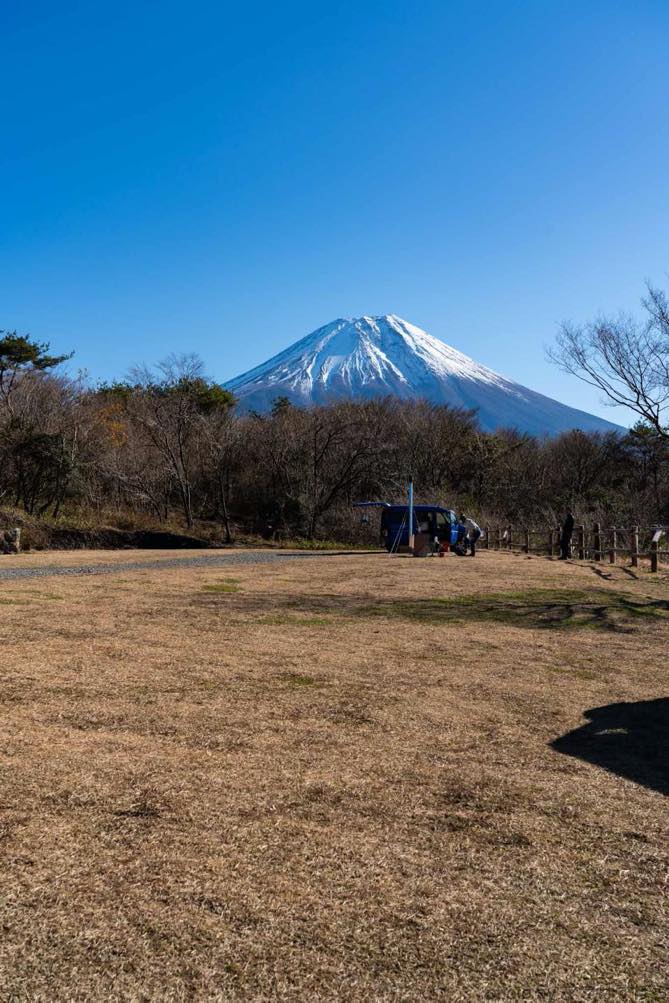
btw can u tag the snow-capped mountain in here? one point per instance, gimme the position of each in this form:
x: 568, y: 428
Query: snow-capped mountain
x: 381, y: 356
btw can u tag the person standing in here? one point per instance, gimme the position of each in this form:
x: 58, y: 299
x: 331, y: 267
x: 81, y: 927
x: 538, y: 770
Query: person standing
x: 473, y: 534
x: 565, y: 537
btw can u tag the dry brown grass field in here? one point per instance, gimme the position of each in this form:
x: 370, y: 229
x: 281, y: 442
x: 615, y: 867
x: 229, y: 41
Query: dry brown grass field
x: 341, y: 777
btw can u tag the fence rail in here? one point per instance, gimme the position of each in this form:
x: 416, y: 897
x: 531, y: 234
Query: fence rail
x: 597, y: 543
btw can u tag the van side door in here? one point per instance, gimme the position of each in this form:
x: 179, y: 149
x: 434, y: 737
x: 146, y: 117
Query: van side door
x: 442, y: 527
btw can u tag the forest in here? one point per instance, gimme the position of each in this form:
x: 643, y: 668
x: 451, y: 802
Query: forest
x: 167, y: 448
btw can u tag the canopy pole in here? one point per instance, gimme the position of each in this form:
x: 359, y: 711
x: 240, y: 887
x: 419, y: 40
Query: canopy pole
x: 411, y: 534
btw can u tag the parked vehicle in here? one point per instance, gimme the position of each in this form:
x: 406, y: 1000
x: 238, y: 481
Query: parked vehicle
x: 437, y: 522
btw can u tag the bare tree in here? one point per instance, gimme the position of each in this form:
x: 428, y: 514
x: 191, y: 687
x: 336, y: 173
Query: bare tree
x: 223, y: 458
x: 169, y: 409
x: 342, y: 446
x: 625, y: 359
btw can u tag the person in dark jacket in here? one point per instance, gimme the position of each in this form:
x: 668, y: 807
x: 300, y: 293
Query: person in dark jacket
x: 565, y: 537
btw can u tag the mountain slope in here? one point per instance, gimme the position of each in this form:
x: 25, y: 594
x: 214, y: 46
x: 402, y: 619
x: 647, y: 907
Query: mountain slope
x: 380, y: 356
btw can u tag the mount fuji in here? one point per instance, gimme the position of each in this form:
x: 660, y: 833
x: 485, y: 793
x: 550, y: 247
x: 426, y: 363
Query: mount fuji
x: 386, y: 356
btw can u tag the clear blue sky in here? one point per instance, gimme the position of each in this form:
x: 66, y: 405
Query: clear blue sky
x: 223, y: 178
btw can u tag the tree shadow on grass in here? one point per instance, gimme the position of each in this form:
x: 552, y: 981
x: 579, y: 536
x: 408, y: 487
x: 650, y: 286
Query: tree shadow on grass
x: 557, y: 609
x: 629, y: 739
x: 535, y: 608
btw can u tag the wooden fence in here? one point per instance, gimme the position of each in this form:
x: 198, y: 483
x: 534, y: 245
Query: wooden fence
x: 595, y: 543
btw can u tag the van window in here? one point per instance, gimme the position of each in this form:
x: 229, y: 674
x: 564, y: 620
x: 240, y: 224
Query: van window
x: 443, y: 522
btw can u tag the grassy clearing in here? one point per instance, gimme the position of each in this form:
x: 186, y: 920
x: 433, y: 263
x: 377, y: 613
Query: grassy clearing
x: 226, y: 585
x: 372, y: 778
x: 286, y: 620
x: 26, y: 597
x: 296, y: 679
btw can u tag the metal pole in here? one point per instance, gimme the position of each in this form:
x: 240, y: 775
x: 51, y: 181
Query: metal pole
x: 411, y: 533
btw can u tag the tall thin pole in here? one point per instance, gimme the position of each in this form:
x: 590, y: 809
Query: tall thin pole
x: 411, y: 535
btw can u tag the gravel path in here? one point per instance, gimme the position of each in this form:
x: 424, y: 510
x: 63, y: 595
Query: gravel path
x: 205, y: 561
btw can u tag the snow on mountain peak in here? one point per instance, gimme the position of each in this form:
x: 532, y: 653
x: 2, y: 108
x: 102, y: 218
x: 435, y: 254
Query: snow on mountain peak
x: 365, y: 357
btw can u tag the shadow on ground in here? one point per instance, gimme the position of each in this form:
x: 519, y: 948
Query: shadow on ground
x: 599, y: 609
x: 629, y: 739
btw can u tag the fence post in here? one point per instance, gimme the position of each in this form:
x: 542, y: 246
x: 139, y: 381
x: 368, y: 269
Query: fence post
x: 581, y: 543
x: 486, y: 530
x: 551, y: 551
x: 635, y: 546
x: 653, y: 555
x: 508, y: 538
x: 527, y: 541
x: 614, y: 544
x: 499, y: 537
x: 597, y: 541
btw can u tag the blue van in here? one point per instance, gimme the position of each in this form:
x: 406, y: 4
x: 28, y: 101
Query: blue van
x: 434, y: 520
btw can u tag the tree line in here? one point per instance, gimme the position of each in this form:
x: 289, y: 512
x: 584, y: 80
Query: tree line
x: 168, y: 446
